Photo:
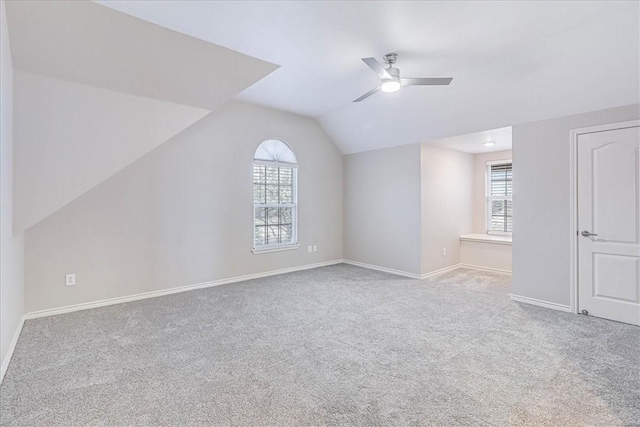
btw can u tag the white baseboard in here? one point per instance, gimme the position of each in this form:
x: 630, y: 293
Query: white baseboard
x: 400, y: 272
x: 12, y: 347
x: 383, y: 269
x: 440, y: 271
x: 479, y: 267
x: 153, y: 294
x: 541, y: 303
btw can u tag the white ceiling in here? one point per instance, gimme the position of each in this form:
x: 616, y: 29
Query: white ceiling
x: 512, y: 62
x: 474, y: 142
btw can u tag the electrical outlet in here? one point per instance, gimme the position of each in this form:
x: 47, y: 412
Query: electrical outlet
x: 309, y: 248
x: 315, y: 248
x: 444, y: 251
x: 71, y: 280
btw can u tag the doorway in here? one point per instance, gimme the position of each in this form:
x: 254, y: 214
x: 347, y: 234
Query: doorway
x: 607, y: 222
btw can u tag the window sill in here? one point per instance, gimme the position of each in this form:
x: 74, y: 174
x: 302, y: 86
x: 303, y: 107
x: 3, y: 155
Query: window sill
x: 269, y: 249
x: 498, y: 239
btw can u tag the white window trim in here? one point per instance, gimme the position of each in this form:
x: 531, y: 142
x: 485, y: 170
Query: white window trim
x: 275, y: 164
x: 498, y: 162
x: 294, y: 241
x: 275, y: 248
x: 487, y: 197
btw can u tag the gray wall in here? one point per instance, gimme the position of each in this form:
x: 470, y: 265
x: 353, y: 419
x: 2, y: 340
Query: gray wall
x: 182, y: 214
x: 541, y: 234
x: 11, y: 247
x: 403, y: 205
x: 382, y: 208
x: 447, y: 210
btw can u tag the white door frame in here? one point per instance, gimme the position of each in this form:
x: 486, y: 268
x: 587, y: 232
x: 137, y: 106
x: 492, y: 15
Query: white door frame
x: 573, y: 200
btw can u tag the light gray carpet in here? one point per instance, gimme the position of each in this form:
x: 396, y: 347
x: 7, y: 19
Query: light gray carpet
x: 338, y: 345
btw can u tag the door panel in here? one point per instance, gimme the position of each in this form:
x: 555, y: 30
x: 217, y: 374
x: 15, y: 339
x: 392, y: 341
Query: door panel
x: 609, y: 207
x: 611, y: 273
x: 615, y: 197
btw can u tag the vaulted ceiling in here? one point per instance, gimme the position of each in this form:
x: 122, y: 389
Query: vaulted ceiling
x: 96, y: 89
x: 71, y: 137
x: 512, y: 62
x: 82, y: 42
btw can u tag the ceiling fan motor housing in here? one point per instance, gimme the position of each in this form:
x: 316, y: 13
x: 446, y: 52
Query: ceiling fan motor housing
x: 394, y: 72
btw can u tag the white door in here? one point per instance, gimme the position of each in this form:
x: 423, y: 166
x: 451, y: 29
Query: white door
x: 609, y: 224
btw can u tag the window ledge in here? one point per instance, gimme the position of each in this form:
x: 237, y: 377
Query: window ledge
x: 498, y: 239
x: 267, y: 249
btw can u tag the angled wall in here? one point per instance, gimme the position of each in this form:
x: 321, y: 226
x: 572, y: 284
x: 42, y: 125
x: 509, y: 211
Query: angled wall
x: 97, y: 89
x: 183, y: 214
x: 70, y: 137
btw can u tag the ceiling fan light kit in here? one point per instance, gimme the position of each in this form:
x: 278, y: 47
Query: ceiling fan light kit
x: 390, y: 80
x: 390, y: 85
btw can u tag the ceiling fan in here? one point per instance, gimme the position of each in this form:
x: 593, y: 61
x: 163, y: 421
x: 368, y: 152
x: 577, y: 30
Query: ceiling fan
x: 390, y: 80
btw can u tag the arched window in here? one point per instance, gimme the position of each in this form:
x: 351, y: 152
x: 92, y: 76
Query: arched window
x: 275, y: 198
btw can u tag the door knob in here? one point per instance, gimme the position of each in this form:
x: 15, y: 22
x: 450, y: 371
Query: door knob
x: 585, y: 233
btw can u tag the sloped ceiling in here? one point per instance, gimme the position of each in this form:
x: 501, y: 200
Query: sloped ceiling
x: 96, y: 89
x: 512, y: 62
x: 87, y: 43
x: 69, y: 137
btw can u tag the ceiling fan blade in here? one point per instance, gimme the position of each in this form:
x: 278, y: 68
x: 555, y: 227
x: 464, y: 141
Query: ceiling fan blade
x: 368, y: 94
x: 377, y: 68
x: 428, y: 81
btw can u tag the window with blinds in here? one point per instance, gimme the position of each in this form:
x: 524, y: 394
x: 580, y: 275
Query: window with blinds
x: 499, y: 194
x: 274, y: 196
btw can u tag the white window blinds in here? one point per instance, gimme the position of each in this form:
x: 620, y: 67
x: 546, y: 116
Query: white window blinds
x: 274, y: 205
x: 275, y: 199
x: 499, y: 194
